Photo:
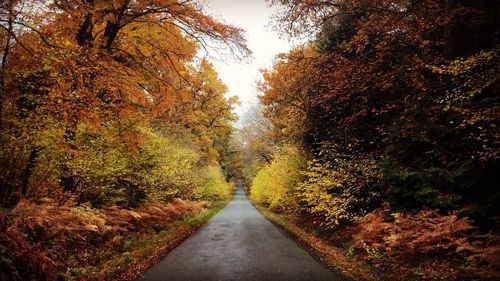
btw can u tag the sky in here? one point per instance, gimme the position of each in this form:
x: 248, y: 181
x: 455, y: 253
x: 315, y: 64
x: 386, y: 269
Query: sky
x: 254, y: 17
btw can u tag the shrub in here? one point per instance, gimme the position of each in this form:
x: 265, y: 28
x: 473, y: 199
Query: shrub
x: 428, y: 244
x: 168, y: 166
x: 53, y: 242
x: 341, y: 191
x: 214, y: 186
x: 275, y: 184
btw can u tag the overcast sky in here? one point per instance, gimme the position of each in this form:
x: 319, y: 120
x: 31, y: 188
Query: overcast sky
x: 254, y: 17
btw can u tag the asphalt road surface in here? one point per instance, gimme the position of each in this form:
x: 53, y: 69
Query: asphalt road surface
x: 239, y: 244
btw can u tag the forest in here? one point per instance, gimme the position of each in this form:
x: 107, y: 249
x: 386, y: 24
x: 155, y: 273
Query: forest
x: 107, y: 114
x: 380, y: 134
x: 377, y: 136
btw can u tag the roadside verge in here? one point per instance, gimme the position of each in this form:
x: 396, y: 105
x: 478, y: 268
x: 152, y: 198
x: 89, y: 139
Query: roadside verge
x: 53, y: 242
x: 333, y: 257
x: 152, y: 250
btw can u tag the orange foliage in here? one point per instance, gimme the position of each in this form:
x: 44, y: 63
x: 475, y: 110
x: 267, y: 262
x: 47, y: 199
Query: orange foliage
x: 42, y: 241
x: 427, y: 246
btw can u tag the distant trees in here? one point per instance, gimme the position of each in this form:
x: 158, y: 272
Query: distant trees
x: 106, y: 101
x: 253, y: 143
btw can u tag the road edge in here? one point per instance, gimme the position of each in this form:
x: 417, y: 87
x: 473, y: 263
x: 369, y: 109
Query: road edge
x: 179, y: 231
x: 331, y: 256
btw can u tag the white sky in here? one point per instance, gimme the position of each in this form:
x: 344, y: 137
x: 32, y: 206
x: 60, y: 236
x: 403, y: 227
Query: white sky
x: 254, y: 17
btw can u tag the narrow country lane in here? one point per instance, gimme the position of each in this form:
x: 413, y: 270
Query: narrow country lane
x: 239, y: 244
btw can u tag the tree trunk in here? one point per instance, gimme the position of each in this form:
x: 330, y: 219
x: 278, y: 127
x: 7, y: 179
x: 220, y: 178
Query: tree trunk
x: 28, y: 171
x: 84, y: 34
x: 3, y: 68
x: 67, y: 179
x: 112, y: 28
x: 450, y: 40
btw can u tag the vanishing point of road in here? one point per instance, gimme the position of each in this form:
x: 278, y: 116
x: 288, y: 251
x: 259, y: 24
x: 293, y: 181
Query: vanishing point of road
x: 239, y: 244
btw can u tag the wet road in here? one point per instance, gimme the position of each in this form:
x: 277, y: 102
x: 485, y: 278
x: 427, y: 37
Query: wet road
x: 239, y: 244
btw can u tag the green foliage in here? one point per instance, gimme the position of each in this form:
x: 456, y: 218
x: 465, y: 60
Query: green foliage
x: 275, y: 184
x: 452, y: 163
x: 205, y: 216
x: 410, y: 189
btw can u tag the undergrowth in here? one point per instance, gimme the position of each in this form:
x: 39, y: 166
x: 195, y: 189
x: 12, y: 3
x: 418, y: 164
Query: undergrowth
x: 52, y: 242
x: 425, y: 246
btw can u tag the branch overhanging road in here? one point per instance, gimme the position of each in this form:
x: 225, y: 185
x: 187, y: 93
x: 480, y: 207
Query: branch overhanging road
x: 239, y: 244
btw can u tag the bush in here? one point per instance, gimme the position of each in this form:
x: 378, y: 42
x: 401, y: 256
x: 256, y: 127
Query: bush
x: 275, y: 184
x: 428, y: 245
x: 53, y: 242
x: 214, y: 186
x: 168, y: 166
x: 108, y: 170
x: 341, y: 191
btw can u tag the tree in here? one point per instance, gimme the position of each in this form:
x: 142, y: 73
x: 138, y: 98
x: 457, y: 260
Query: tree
x: 380, y: 86
x: 82, y: 75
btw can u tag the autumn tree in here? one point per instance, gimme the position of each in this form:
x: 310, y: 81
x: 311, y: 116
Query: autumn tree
x: 85, y: 82
x: 380, y: 87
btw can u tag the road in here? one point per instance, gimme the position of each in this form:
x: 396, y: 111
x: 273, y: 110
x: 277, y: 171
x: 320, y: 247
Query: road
x: 239, y: 244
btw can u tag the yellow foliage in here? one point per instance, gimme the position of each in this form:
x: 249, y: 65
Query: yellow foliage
x: 333, y: 191
x: 179, y: 172
x: 324, y: 193
x: 472, y: 78
x: 275, y: 184
x: 173, y: 166
x: 214, y: 186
